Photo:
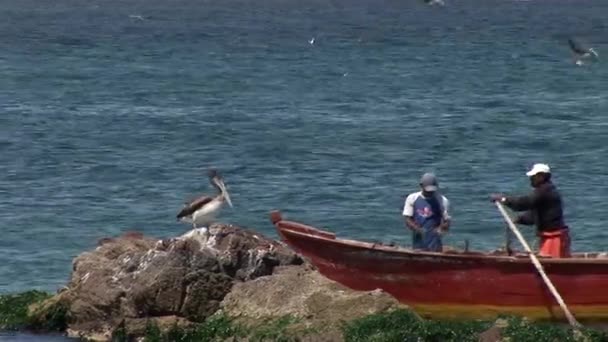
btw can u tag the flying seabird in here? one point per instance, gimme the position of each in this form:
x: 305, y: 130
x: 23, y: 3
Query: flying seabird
x: 203, y: 210
x: 435, y: 2
x: 581, y: 51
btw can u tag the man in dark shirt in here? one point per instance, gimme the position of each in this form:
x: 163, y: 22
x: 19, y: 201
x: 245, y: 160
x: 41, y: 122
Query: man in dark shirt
x: 542, y: 207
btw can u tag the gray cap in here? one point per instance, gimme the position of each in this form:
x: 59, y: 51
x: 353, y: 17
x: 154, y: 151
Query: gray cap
x: 428, y: 182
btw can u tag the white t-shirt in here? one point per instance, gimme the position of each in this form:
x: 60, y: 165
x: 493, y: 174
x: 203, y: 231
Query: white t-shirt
x: 408, y: 207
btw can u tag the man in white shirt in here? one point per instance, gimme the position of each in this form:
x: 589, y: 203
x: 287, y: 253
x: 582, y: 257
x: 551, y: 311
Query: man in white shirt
x: 426, y: 214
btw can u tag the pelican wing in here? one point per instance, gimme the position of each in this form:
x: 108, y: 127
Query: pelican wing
x: 576, y: 47
x: 594, y: 53
x: 193, y: 206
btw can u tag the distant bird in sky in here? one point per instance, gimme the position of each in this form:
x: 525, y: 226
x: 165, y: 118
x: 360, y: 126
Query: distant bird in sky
x: 312, y: 41
x: 203, y: 210
x: 434, y: 2
x: 581, y: 52
x: 136, y: 16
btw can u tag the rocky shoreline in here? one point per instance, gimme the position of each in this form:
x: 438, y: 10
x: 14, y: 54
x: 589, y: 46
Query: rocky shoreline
x: 232, y: 283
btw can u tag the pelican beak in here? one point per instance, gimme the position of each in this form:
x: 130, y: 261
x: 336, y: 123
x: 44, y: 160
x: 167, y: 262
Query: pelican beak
x: 227, y: 197
x: 220, y: 184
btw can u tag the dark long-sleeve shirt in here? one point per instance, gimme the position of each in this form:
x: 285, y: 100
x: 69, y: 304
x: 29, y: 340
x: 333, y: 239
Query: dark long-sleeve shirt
x: 542, y: 207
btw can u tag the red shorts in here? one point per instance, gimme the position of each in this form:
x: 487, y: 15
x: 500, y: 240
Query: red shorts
x: 555, y: 244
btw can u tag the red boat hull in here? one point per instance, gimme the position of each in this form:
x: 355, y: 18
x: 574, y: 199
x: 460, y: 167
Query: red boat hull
x: 456, y: 285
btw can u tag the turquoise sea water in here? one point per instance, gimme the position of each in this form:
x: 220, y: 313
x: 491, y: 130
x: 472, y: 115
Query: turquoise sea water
x: 109, y: 120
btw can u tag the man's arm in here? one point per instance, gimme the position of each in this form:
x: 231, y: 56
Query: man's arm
x: 522, y: 203
x: 446, y: 219
x: 526, y: 218
x: 408, y: 213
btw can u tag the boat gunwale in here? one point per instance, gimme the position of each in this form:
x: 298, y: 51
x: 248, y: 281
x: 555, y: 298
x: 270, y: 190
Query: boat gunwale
x: 523, y: 259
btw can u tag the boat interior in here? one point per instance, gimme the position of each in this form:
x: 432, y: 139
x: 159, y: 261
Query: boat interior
x: 309, y: 230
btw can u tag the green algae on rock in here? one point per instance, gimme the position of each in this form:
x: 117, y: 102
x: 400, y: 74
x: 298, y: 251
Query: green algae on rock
x: 21, y: 311
x: 14, y: 308
x: 403, y: 326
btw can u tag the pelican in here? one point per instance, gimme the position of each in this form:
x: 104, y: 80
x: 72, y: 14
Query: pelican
x: 203, y: 210
x: 580, y: 51
x: 435, y: 2
x: 136, y: 16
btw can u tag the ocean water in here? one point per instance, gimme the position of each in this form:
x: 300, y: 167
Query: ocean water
x: 22, y: 337
x: 111, y: 112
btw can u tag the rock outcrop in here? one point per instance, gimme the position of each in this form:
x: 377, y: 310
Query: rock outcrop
x: 302, y: 293
x: 130, y: 279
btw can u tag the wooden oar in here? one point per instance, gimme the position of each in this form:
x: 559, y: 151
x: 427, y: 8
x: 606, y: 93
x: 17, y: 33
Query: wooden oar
x: 538, y: 266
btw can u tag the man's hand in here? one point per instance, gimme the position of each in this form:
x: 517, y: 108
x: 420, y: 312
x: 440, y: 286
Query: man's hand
x: 439, y: 230
x: 496, y: 197
x: 414, y: 226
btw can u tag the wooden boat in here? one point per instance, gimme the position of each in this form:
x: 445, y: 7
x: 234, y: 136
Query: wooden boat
x: 457, y: 284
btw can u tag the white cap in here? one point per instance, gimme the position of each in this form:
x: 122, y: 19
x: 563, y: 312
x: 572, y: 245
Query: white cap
x: 538, y: 168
